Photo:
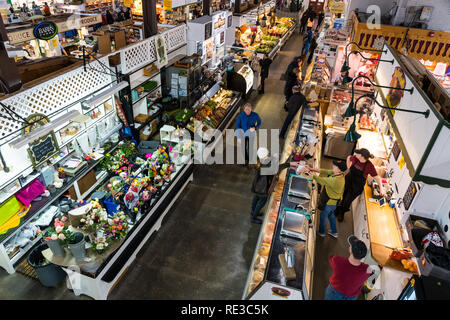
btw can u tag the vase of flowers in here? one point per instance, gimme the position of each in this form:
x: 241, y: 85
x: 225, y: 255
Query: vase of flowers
x: 56, y: 236
x: 117, y: 227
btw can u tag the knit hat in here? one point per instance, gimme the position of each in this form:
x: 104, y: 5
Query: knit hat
x: 262, y: 153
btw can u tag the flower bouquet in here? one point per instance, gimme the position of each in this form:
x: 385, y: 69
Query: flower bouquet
x: 95, y: 219
x: 117, y: 227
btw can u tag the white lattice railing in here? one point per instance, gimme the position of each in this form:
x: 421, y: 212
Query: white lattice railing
x: 52, y: 96
x: 74, y: 85
x: 143, y: 53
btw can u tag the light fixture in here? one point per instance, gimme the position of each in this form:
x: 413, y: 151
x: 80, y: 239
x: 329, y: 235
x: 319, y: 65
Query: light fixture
x: 95, y: 100
x: 351, y: 135
x: 46, y: 128
x: 347, y: 78
x: 350, y: 112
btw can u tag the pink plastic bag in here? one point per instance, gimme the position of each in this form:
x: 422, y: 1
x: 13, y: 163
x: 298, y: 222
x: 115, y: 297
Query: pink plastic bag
x: 30, y: 192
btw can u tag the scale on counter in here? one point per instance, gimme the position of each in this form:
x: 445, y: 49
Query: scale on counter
x: 295, y: 224
x: 299, y: 187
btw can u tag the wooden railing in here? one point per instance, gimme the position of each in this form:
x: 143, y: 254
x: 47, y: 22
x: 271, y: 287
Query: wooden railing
x: 420, y: 43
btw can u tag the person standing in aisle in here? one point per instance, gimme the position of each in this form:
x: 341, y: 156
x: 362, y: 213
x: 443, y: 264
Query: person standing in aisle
x: 297, y: 62
x: 333, y: 191
x: 310, y: 24
x: 263, y: 182
x: 293, y: 80
x: 196, y: 13
x: 46, y: 10
x: 265, y: 64
x: 360, y: 167
x: 109, y: 16
x: 307, y: 43
x: 319, y: 20
x: 349, y: 273
x: 246, y: 125
x: 127, y: 13
x: 296, y: 101
x: 303, y: 21
x: 312, y: 48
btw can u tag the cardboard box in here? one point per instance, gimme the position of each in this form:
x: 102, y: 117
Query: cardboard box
x: 104, y: 44
x: 114, y: 60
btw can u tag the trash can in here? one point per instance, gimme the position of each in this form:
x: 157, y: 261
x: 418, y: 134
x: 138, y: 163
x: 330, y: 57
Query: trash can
x: 49, y: 274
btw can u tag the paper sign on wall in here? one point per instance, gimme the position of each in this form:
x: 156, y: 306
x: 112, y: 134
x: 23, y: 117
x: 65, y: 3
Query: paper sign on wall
x: 167, y: 5
x: 161, y: 52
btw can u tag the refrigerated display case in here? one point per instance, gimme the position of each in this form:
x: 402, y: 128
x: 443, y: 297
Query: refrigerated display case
x: 282, y: 265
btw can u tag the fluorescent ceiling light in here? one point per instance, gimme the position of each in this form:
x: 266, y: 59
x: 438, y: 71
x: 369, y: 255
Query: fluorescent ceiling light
x: 39, y: 132
x: 95, y: 100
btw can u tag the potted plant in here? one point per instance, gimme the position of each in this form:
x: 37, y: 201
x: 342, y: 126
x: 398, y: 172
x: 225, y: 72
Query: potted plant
x: 56, y: 236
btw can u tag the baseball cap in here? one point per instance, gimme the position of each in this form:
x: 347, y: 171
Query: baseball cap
x: 262, y: 153
x: 340, y: 164
x: 359, y: 248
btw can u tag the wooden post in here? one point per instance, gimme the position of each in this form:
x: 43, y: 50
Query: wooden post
x: 9, y: 73
x: 237, y: 6
x: 207, y: 7
x: 150, y: 21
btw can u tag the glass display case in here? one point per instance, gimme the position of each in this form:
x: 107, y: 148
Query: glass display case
x: 283, y: 265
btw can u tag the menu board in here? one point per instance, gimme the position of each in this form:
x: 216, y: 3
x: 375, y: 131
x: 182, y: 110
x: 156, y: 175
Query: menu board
x: 43, y: 148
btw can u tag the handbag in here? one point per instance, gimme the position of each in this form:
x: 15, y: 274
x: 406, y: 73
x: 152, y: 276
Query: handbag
x: 323, y: 199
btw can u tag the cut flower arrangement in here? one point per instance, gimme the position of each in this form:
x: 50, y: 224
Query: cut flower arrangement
x: 59, y: 232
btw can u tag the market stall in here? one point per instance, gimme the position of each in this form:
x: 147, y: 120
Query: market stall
x: 69, y: 34
x: 267, y: 39
x: 283, y: 263
x: 396, y: 227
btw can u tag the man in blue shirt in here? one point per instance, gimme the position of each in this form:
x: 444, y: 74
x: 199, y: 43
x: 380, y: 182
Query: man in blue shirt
x: 246, y: 125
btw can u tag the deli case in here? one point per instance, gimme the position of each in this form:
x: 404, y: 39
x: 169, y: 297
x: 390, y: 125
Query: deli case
x: 283, y: 262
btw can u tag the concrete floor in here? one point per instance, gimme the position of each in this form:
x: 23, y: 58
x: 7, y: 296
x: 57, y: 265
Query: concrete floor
x: 205, y: 245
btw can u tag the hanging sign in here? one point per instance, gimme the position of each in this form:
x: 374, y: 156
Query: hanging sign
x: 336, y: 6
x: 161, y: 52
x: 394, y: 96
x: 43, y: 148
x: 45, y: 30
x: 167, y: 5
x: 75, y: 21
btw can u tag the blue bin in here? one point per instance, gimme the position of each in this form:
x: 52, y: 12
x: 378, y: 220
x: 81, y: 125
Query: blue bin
x: 111, y: 206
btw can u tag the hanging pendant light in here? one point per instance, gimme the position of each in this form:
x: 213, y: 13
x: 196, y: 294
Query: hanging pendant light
x: 350, y: 112
x: 347, y: 79
x: 352, y: 135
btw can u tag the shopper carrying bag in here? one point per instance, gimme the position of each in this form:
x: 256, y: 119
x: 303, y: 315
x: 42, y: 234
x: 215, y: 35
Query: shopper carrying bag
x: 332, y: 192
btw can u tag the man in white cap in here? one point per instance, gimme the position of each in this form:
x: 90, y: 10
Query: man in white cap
x: 262, y: 183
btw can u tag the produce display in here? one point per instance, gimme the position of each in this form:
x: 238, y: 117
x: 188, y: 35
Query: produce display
x: 265, y: 42
x: 211, y: 113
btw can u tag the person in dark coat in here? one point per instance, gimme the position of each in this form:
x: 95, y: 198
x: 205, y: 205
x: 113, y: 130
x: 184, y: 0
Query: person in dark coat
x: 319, y: 20
x: 296, y: 101
x: 109, y: 17
x: 267, y: 168
x: 312, y: 47
x: 265, y: 64
x: 303, y: 22
x: 127, y: 14
x: 293, y: 79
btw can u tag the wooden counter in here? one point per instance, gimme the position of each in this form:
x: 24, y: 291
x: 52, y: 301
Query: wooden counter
x: 383, y: 232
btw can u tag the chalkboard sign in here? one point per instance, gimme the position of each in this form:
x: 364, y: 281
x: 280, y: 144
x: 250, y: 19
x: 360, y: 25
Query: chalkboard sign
x: 208, y: 30
x: 43, y: 148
